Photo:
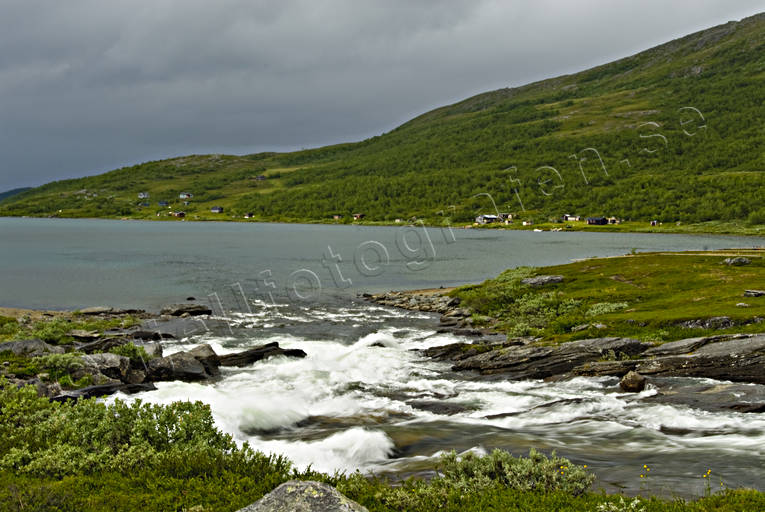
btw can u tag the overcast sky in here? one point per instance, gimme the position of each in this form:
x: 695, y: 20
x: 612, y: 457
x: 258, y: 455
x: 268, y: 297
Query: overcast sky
x: 90, y: 85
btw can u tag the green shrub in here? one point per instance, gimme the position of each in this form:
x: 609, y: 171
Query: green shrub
x: 603, y: 308
x: 135, y: 353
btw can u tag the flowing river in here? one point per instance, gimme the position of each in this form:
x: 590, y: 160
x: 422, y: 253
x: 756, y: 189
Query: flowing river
x: 364, y: 398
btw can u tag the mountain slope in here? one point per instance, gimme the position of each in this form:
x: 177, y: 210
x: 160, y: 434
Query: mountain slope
x: 673, y: 133
x: 10, y: 193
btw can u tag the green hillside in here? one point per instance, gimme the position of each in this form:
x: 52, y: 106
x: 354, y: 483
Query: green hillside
x: 676, y: 134
x: 10, y: 193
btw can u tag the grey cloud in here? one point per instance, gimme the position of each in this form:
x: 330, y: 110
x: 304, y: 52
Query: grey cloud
x: 86, y: 86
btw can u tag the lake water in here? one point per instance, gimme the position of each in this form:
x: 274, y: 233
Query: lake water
x: 353, y: 404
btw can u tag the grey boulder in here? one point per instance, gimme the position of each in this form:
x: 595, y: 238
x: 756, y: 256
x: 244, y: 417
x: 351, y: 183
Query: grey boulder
x: 308, y: 496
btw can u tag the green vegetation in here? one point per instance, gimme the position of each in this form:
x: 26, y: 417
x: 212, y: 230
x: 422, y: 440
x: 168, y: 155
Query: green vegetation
x: 647, y: 296
x: 654, y: 157
x: 56, y: 329
x: 89, y: 456
x: 136, y: 354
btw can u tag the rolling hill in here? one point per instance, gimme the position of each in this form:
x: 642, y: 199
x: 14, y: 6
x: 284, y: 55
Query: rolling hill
x: 10, y: 193
x: 674, y: 133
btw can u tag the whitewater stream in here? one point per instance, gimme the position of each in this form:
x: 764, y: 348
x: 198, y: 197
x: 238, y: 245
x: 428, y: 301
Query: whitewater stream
x: 365, y: 399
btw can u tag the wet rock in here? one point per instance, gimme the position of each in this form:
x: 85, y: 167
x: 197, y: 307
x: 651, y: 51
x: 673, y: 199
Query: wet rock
x: 539, y: 362
x: 151, y: 335
x: 605, y: 368
x: 742, y: 305
x: 548, y: 405
x: 737, y: 358
x: 111, y: 365
x: 103, y: 390
x: 304, y: 496
x: 754, y: 293
x: 135, y: 376
x: 207, y: 356
x: 30, y: 348
x: 187, y: 309
x: 179, y: 366
x: 537, y: 281
x: 439, y: 407
x: 737, y: 261
x: 633, y: 382
x: 707, y: 396
x: 257, y: 353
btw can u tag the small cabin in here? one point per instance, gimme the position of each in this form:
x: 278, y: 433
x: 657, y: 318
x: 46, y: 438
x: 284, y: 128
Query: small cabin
x: 144, y: 205
x: 654, y: 223
x: 358, y: 216
x: 260, y: 177
x: 186, y: 195
x: 337, y: 216
x: 487, y: 219
x: 597, y: 221
x: 567, y: 217
x: 249, y: 215
x: 216, y: 209
x: 180, y: 215
x: 143, y: 195
x: 528, y: 222
x: 614, y: 220
x: 163, y: 203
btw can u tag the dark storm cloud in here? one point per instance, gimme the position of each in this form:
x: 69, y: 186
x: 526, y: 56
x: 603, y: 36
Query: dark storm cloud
x: 86, y: 86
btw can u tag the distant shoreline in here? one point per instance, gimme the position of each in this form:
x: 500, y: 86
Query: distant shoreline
x: 685, y: 229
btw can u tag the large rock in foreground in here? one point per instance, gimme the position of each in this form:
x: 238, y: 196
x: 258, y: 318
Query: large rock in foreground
x: 179, y: 366
x: 297, y: 496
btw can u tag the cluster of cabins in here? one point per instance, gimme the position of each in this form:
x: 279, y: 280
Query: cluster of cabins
x: 507, y: 219
x: 185, y: 196
x: 594, y: 221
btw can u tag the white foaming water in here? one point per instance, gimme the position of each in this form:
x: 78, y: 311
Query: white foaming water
x: 350, y: 406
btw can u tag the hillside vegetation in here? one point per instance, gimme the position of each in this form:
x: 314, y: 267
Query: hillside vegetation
x: 673, y: 134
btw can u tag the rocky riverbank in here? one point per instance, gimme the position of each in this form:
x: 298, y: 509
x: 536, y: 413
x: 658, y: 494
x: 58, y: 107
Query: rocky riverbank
x: 98, y: 362
x: 486, y: 354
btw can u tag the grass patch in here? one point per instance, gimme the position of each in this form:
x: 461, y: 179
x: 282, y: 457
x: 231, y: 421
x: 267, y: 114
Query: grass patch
x: 647, y: 296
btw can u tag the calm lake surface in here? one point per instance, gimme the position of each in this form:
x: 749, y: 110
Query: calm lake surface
x: 356, y: 401
x: 67, y: 263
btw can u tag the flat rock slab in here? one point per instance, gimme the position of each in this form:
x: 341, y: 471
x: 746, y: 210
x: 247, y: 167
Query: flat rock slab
x: 30, y: 348
x: 754, y: 293
x: 540, y: 362
x: 674, y: 348
x: 738, y: 359
x: 308, y: 496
